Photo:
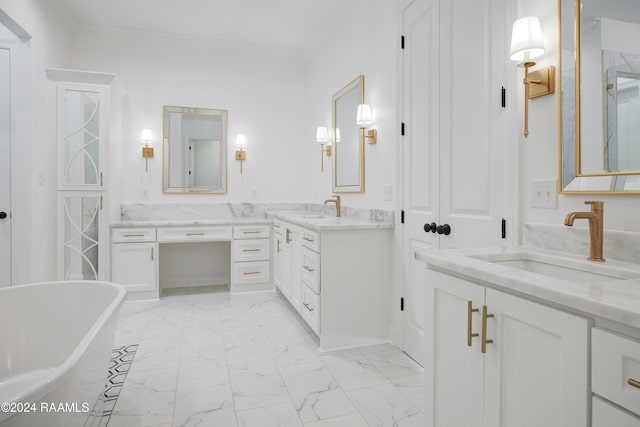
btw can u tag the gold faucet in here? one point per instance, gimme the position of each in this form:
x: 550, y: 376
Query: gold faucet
x: 595, y: 218
x: 337, y: 202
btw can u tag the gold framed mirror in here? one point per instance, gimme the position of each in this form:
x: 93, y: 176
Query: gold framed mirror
x: 599, y: 96
x: 194, y: 150
x: 348, y: 141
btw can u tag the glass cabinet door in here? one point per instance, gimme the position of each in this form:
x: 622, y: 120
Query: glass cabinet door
x: 81, y: 225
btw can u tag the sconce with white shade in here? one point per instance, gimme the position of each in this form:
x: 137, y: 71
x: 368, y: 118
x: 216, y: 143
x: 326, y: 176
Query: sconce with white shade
x: 527, y: 43
x: 322, y: 136
x: 146, y: 138
x: 364, y: 118
x: 241, y: 144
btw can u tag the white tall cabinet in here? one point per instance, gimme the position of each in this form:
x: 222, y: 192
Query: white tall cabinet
x: 82, y: 110
x: 532, y: 371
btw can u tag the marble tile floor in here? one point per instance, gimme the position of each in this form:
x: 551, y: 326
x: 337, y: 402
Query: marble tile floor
x: 212, y: 359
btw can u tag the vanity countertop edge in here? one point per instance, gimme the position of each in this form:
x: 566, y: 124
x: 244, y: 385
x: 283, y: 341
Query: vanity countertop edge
x: 614, y: 300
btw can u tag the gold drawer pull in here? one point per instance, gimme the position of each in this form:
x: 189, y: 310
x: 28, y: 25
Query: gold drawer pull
x: 307, y: 306
x: 251, y: 232
x: 251, y: 250
x: 485, y: 341
x: 308, y: 239
x: 278, y: 249
x: 470, y: 311
x: 306, y: 267
x: 276, y: 225
x: 133, y: 235
x: 288, y: 236
x: 633, y: 383
x: 248, y: 273
x: 194, y: 234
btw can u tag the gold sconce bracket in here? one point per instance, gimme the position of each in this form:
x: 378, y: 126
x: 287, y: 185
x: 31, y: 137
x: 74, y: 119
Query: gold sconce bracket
x: 328, y: 151
x: 371, y: 135
x: 241, y: 155
x: 542, y: 82
x: 147, y: 152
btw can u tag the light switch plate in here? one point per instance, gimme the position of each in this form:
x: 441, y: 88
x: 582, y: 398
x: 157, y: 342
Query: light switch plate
x: 388, y: 193
x: 544, y: 194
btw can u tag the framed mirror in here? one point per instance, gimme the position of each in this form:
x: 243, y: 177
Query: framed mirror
x: 599, y: 100
x: 348, y: 141
x: 194, y: 150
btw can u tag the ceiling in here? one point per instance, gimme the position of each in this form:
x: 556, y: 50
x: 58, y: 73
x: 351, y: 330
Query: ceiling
x: 278, y: 23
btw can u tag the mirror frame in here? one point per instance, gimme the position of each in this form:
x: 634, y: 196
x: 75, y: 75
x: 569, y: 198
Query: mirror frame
x: 167, y: 110
x: 355, y: 84
x: 591, y: 183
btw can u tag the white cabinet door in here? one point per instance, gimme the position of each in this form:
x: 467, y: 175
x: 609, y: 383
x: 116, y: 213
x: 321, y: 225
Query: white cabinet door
x: 5, y: 168
x: 453, y: 370
x: 133, y: 265
x: 278, y: 261
x: 606, y: 415
x: 295, y: 291
x: 536, y: 369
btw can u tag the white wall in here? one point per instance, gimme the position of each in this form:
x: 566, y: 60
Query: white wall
x: 263, y: 89
x: 46, y: 39
x: 539, y: 152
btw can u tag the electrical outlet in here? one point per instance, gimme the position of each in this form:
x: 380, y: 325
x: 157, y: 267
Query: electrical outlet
x: 544, y: 194
x: 388, y: 193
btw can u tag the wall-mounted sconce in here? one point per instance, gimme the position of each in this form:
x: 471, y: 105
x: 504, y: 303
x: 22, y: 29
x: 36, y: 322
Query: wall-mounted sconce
x: 526, y: 44
x: 322, y: 136
x: 241, y: 154
x: 364, y: 119
x: 146, y: 138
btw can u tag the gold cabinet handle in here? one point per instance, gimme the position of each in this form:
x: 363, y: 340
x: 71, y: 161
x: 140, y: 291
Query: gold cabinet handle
x: 251, y: 232
x: 485, y: 341
x: 288, y: 236
x: 251, y: 250
x: 306, y: 267
x: 278, y: 249
x: 248, y: 273
x: 151, y: 254
x: 133, y: 235
x: 633, y: 383
x: 194, y: 234
x: 470, y: 311
x: 307, y: 306
x: 308, y: 239
x: 276, y: 225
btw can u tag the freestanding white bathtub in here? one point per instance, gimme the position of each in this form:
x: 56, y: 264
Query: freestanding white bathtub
x: 55, y: 344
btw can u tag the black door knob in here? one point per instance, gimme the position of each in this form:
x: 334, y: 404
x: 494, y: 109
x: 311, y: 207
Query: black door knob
x: 444, y: 229
x: 3, y: 215
x: 433, y: 227
x: 427, y: 227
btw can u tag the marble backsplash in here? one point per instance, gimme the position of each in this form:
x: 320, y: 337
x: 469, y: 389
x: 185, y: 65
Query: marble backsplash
x: 618, y: 245
x: 162, y: 212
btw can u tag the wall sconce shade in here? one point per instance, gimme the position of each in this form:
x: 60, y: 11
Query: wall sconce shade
x: 527, y: 43
x: 322, y: 136
x: 364, y: 118
x: 146, y: 138
x: 241, y: 154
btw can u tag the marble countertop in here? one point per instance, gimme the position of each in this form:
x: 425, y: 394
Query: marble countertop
x: 614, y: 298
x: 321, y: 222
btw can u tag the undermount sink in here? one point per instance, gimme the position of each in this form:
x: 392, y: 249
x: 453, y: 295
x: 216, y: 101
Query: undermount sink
x: 560, y: 268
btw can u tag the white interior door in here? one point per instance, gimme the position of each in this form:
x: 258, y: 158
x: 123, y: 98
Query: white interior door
x: 473, y: 129
x: 5, y: 168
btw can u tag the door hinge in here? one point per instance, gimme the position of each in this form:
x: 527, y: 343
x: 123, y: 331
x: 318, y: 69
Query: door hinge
x: 402, y: 128
x: 402, y: 216
x: 503, y: 97
x: 401, y: 42
x: 401, y: 304
x: 504, y: 228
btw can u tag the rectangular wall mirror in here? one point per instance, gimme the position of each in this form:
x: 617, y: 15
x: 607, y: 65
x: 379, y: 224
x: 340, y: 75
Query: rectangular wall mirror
x: 600, y: 96
x: 194, y: 150
x: 348, y: 141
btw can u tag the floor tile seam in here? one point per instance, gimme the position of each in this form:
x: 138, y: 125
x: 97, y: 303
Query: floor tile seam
x: 175, y: 389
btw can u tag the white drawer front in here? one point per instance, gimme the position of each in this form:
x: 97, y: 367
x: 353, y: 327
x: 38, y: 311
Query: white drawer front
x: 251, y: 231
x: 194, y: 234
x: 119, y: 235
x: 310, y: 310
x: 311, y: 269
x: 250, y: 272
x: 606, y: 415
x: 311, y: 239
x: 250, y: 250
x: 615, y: 368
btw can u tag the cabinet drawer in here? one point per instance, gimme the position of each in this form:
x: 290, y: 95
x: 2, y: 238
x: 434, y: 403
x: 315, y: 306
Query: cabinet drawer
x: 194, y: 234
x: 615, y: 364
x: 244, y: 273
x: 606, y: 415
x: 250, y: 250
x: 251, y: 231
x: 311, y: 239
x: 120, y: 235
x: 310, y: 310
x: 311, y: 269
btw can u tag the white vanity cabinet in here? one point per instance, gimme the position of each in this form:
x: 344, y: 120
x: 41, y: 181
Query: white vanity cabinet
x: 134, y: 254
x: 250, y: 258
x: 534, y: 368
x: 615, y: 376
x: 337, y: 279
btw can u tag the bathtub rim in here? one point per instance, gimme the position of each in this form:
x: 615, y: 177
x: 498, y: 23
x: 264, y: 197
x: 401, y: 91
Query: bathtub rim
x: 37, y: 391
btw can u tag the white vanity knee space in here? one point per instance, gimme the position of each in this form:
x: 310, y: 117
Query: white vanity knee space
x: 336, y: 278
x: 135, y: 255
